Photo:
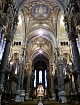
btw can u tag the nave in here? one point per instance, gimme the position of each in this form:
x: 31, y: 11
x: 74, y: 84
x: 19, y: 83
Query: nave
x: 39, y: 51
x: 46, y: 102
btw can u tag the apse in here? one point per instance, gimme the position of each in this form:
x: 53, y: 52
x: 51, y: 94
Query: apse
x: 40, y: 73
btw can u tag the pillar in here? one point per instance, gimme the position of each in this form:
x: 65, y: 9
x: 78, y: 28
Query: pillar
x: 76, y: 56
x: 18, y: 90
x: 62, y: 93
x: 28, y: 87
x: 3, y: 66
x: 72, y: 20
x: 61, y: 85
x: 52, y: 83
x: 76, y: 70
x: 22, y: 94
x: 52, y: 88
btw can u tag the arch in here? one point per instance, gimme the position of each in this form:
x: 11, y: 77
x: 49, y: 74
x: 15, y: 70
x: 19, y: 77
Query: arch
x: 48, y: 35
x: 36, y: 54
x: 45, y: 27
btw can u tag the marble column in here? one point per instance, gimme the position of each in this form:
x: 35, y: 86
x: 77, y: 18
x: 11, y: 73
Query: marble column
x: 62, y: 93
x: 76, y: 70
x: 18, y: 90
x: 52, y: 83
x: 22, y: 94
x: 28, y: 87
x: 3, y: 66
x: 52, y: 88
x: 58, y: 79
x: 72, y: 20
x: 76, y: 56
x: 76, y: 59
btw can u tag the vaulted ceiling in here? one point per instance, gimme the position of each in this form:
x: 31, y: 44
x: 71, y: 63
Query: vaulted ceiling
x: 40, y: 21
x: 22, y: 2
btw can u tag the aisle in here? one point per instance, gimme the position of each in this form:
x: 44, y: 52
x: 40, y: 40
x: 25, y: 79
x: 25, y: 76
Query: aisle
x: 35, y: 102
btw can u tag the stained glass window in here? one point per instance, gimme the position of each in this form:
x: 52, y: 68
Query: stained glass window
x: 45, y: 79
x: 35, y: 78
x: 40, y: 76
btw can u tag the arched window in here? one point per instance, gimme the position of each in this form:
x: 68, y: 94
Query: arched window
x: 62, y: 27
x: 45, y: 78
x: 35, y: 78
x: 40, y: 76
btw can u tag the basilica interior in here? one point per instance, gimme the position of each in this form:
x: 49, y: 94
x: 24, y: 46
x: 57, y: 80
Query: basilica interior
x: 39, y: 51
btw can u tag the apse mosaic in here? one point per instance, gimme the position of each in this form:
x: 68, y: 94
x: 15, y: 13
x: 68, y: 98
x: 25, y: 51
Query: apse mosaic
x: 40, y: 11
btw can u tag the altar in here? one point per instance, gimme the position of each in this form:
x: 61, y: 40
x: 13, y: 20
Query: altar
x: 40, y: 91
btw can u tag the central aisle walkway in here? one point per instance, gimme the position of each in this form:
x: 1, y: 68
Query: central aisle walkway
x: 34, y: 102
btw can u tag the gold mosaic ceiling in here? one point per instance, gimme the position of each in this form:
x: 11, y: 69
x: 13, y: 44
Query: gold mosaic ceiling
x: 41, y: 10
x: 42, y: 14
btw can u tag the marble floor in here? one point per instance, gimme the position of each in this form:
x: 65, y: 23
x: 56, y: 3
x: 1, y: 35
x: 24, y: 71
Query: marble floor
x: 34, y: 102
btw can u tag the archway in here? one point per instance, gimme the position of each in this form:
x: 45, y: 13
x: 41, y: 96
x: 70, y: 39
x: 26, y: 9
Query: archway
x: 40, y: 72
